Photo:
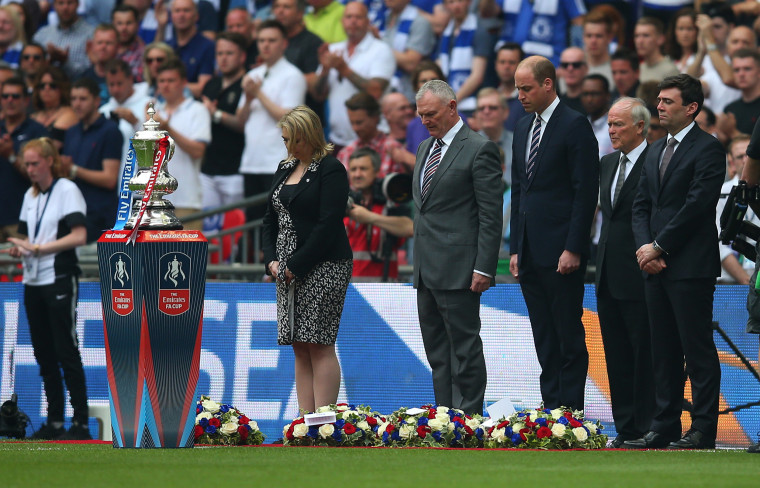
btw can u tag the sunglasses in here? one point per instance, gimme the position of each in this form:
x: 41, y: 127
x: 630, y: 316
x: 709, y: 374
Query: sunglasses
x: 27, y: 57
x: 50, y: 86
x: 574, y: 65
x: 15, y: 96
x: 154, y: 60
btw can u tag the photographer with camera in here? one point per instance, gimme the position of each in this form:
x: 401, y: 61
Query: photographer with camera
x: 751, y: 174
x: 375, y: 224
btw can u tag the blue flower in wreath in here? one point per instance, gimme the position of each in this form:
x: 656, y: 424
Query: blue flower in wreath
x: 210, y: 429
x: 587, y: 431
x: 437, y: 436
x: 395, y: 436
x: 457, y: 435
x: 516, y: 439
x: 508, y: 432
x: 340, y: 423
x: 548, y: 410
x: 198, y: 409
x: 563, y: 421
x: 479, y: 433
x: 541, y: 421
x: 224, y: 408
x: 337, y: 435
x: 203, y: 423
x: 521, y: 414
x: 422, y: 421
x: 385, y: 438
x: 313, y: 432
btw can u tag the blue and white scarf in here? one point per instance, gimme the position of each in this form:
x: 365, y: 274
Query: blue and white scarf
x: 456, y: 61
x: 400, y: 40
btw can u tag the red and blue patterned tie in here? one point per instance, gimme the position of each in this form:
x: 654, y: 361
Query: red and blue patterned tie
x: 432, y: 165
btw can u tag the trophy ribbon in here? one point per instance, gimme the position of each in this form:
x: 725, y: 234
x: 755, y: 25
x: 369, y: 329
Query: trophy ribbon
x: 158, y: 158
x: 125, y: 195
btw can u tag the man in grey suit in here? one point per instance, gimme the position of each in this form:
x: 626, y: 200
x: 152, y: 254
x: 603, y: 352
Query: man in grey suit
x: 457, y: 193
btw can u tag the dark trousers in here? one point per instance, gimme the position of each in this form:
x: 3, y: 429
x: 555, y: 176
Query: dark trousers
x: 625, y: 333
x: 680, y: 317
x: 555, y: 308
x: 50, y: 310
x: 450, y: 326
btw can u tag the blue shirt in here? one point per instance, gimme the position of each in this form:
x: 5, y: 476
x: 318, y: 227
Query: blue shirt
x: 198, y: 56
x: 12, y: 184
x: 88, y: 148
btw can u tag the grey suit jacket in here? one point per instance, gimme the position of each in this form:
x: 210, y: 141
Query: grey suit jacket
x: 457, y: 227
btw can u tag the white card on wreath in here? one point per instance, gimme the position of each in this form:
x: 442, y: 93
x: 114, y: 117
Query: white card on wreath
x: 502, y: 408
x: 415, y: 411
x: 319, y: 418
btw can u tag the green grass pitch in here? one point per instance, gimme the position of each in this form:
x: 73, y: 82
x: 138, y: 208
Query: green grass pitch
x: 41, y: 464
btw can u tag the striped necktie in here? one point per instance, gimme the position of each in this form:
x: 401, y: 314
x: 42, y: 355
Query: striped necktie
x: 534, y: 141
x: 432, y: 165
x: 621, y: 179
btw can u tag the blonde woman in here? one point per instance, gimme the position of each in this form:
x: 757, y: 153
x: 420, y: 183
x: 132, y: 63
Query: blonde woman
x: 11, y: 36
x: 53, y: 219
x: 308, y: 254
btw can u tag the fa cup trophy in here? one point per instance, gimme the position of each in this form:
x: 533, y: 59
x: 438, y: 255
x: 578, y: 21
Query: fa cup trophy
x: 159, y: 213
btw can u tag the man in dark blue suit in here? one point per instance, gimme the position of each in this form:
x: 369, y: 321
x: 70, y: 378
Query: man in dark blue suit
x: 674, y: 228
x: 620, y: 300
x: 555, y: 178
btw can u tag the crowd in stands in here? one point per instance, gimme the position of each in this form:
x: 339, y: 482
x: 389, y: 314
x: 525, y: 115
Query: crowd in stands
x: 222, y: 73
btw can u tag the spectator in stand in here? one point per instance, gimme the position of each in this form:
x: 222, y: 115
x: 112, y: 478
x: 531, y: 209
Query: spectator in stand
x: 15, y: 129
x: 416, y: 132
x: 649, y: 37
x: 32, y: 62
x: 463, y: 53
x: 238, y: 20
x: 572, y: 70
x: 375, y: 230
x: 189, y: 124
x: 410, y: 36
x: 681, y: 45
x: 364, y: 115
x: 719, y: 84
x: 220, y: 172
x: 664, y: 10
x: 735, y: 268
x: 51, y: 101
x: 491, y: 112
x: 193, y: 48
x: 29, y: 14
x: 303, y: 45
x: 155, y: 54
x: 595, y: 96
x: 146, y: 18
x: 326, y: 20
x: 656, y: 130
x: 207, y: 21
x: 397, y: 112
x: 125, y: 106
x: 125, y: 19
x: 92, y: 155
x: 271, y: 90
x: 597, y: 36
x: 11, y: 36
x: 508, y: 56
x: 102, y: 49
x: 625, y: 73
x: 66, y: 43
x: 361, y: 63
x: 707, y: 121
x: 742, y: 114
x: 542, y: 28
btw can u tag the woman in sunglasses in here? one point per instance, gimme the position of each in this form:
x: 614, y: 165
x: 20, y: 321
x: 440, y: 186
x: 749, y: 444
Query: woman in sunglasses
x: 51, y: 97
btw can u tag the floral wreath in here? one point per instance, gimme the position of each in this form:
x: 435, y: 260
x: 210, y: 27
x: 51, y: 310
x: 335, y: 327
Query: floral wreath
x: 222, y: 424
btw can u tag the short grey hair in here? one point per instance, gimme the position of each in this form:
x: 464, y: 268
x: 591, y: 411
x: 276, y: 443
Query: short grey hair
x: 362, y: 152
x: 639, y: 111
x: 439, y: 88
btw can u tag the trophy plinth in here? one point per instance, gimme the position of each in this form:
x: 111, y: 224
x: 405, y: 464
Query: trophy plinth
x: 159, y: 213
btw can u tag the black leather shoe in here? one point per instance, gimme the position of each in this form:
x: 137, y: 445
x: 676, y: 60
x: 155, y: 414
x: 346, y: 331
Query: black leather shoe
x: 754, y: 448
x: 617, y: 443
x: 693, y: 439
x: 651, y: 440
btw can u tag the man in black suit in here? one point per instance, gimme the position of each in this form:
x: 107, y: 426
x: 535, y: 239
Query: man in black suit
x: 457, y: 190
x: 619, y: 284
x: 555, y: 178
x: 674, y: 228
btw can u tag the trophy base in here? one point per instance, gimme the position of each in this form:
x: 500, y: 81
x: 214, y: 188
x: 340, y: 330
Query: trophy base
x: 161, y: 218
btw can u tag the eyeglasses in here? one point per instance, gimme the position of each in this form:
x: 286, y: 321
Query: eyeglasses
x: 27, y: 57
x: 15, y: 96
x: 485, y: 108
x: 574, y: 65
x: 154, y: 60
x: 50, y: 86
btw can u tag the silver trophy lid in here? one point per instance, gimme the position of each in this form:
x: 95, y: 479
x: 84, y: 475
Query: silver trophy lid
x: 150, y: 127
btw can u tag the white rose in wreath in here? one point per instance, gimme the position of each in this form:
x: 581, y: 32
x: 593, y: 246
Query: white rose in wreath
x: 435, y: 424
x: 229, y: 428
x: 499, y: 434
x: 407, y: 431
x: 210, y: 406
x: 201, y: 416
x: 580, y: 433
x: 590, y: 426
x: 300, y: 430
x: 326, y: 430
x: 558, y: 430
